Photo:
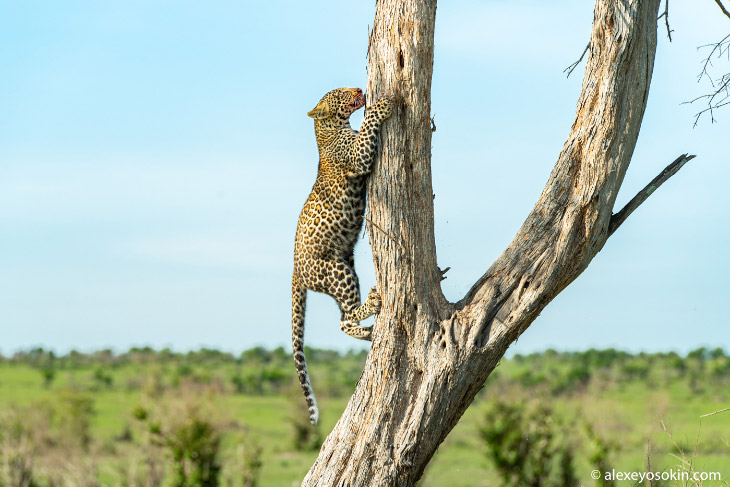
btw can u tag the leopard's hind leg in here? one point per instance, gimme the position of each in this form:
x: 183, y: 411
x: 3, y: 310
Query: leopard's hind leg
x: 350, y: 322
x: 339, y: 280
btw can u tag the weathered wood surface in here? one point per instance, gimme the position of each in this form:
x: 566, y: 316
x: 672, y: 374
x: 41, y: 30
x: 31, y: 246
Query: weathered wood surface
x: 430, y: 357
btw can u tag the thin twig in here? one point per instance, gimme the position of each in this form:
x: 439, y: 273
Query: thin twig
x: 648, y: 454
x: 722, y: 7
x: 385, y: 233
x: 664, y: 427
x: 681, y: 459
x: 618, y: 218
x: 716, y: 412
x: 711, y: 109
x: 697, y: 447
x: 708, y: 60
x: 715, y: 99
x: 712, y: 105
x: 666, y: 19
x: 570, y: 68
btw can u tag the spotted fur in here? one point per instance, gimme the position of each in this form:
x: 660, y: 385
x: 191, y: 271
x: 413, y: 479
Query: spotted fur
x: 332, y: 218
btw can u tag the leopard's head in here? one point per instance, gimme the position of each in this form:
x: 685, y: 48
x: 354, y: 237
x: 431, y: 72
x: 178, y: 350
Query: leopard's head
x: 338, y: 104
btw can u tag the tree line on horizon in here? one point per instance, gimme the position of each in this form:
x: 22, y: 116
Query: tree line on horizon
x: 262, y: 371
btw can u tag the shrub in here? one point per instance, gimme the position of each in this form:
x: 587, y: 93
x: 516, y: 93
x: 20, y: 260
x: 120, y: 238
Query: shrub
x: 247, y: 463
x: 305, y: 436
x: 74, y: 412
x: 16, y: 464
x: 531, y: 447
x: 599, y: 454
x: 190, y: 437
x: 522, y: 441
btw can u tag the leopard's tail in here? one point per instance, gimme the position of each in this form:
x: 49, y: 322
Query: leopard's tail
x: 298, y: 305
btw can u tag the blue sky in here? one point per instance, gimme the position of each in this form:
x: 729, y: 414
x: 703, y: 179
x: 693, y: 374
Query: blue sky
x: 154, y: 157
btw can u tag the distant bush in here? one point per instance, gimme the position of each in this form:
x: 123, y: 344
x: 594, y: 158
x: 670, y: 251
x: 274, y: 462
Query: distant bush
x: 48, y: 373
x: 23, y: 432
x: 16, y: 464
x: 183, y: 426
x: 304, y: 435
x: 103, y: 378
x: 576, y: 377
x: 195, y: 446
x: 530, y: 446
x: 525, y: 444
x: 247, y: 464
x: 599, y: 455
x: 73, y: 414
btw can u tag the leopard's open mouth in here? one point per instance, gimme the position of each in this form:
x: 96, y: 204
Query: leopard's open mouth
x: 357, y: 102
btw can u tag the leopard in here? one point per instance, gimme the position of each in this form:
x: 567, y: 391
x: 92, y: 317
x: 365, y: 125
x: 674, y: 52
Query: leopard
x: 332, y: 218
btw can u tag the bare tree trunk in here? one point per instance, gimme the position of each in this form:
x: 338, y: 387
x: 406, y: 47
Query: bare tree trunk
x: 430, y: 357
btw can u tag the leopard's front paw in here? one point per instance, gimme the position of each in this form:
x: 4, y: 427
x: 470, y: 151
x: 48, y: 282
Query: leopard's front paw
x: 384, y: 107
x: 374, y: 299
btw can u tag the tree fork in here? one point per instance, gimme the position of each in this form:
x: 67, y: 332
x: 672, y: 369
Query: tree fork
x: 429, y: 357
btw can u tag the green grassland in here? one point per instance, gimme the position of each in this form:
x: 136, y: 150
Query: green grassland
x: 252, y: 400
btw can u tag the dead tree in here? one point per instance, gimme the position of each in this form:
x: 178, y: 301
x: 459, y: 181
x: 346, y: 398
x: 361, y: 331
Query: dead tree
x: 430, y: 357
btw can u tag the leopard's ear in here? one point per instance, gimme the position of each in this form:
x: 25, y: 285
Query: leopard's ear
x: 322, y: 110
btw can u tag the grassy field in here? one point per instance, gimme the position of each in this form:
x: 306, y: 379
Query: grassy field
x: 627, y: 414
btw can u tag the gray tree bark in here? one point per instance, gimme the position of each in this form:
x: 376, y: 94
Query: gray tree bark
x: 430, y: 357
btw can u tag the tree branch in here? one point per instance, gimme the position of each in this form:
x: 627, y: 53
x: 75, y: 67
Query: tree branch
x: 722, y: 7
x: 570, y: 68
x: 618, y: 218
x: 714, y: 99
x: 666, y: 19
x: 718, y: 47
